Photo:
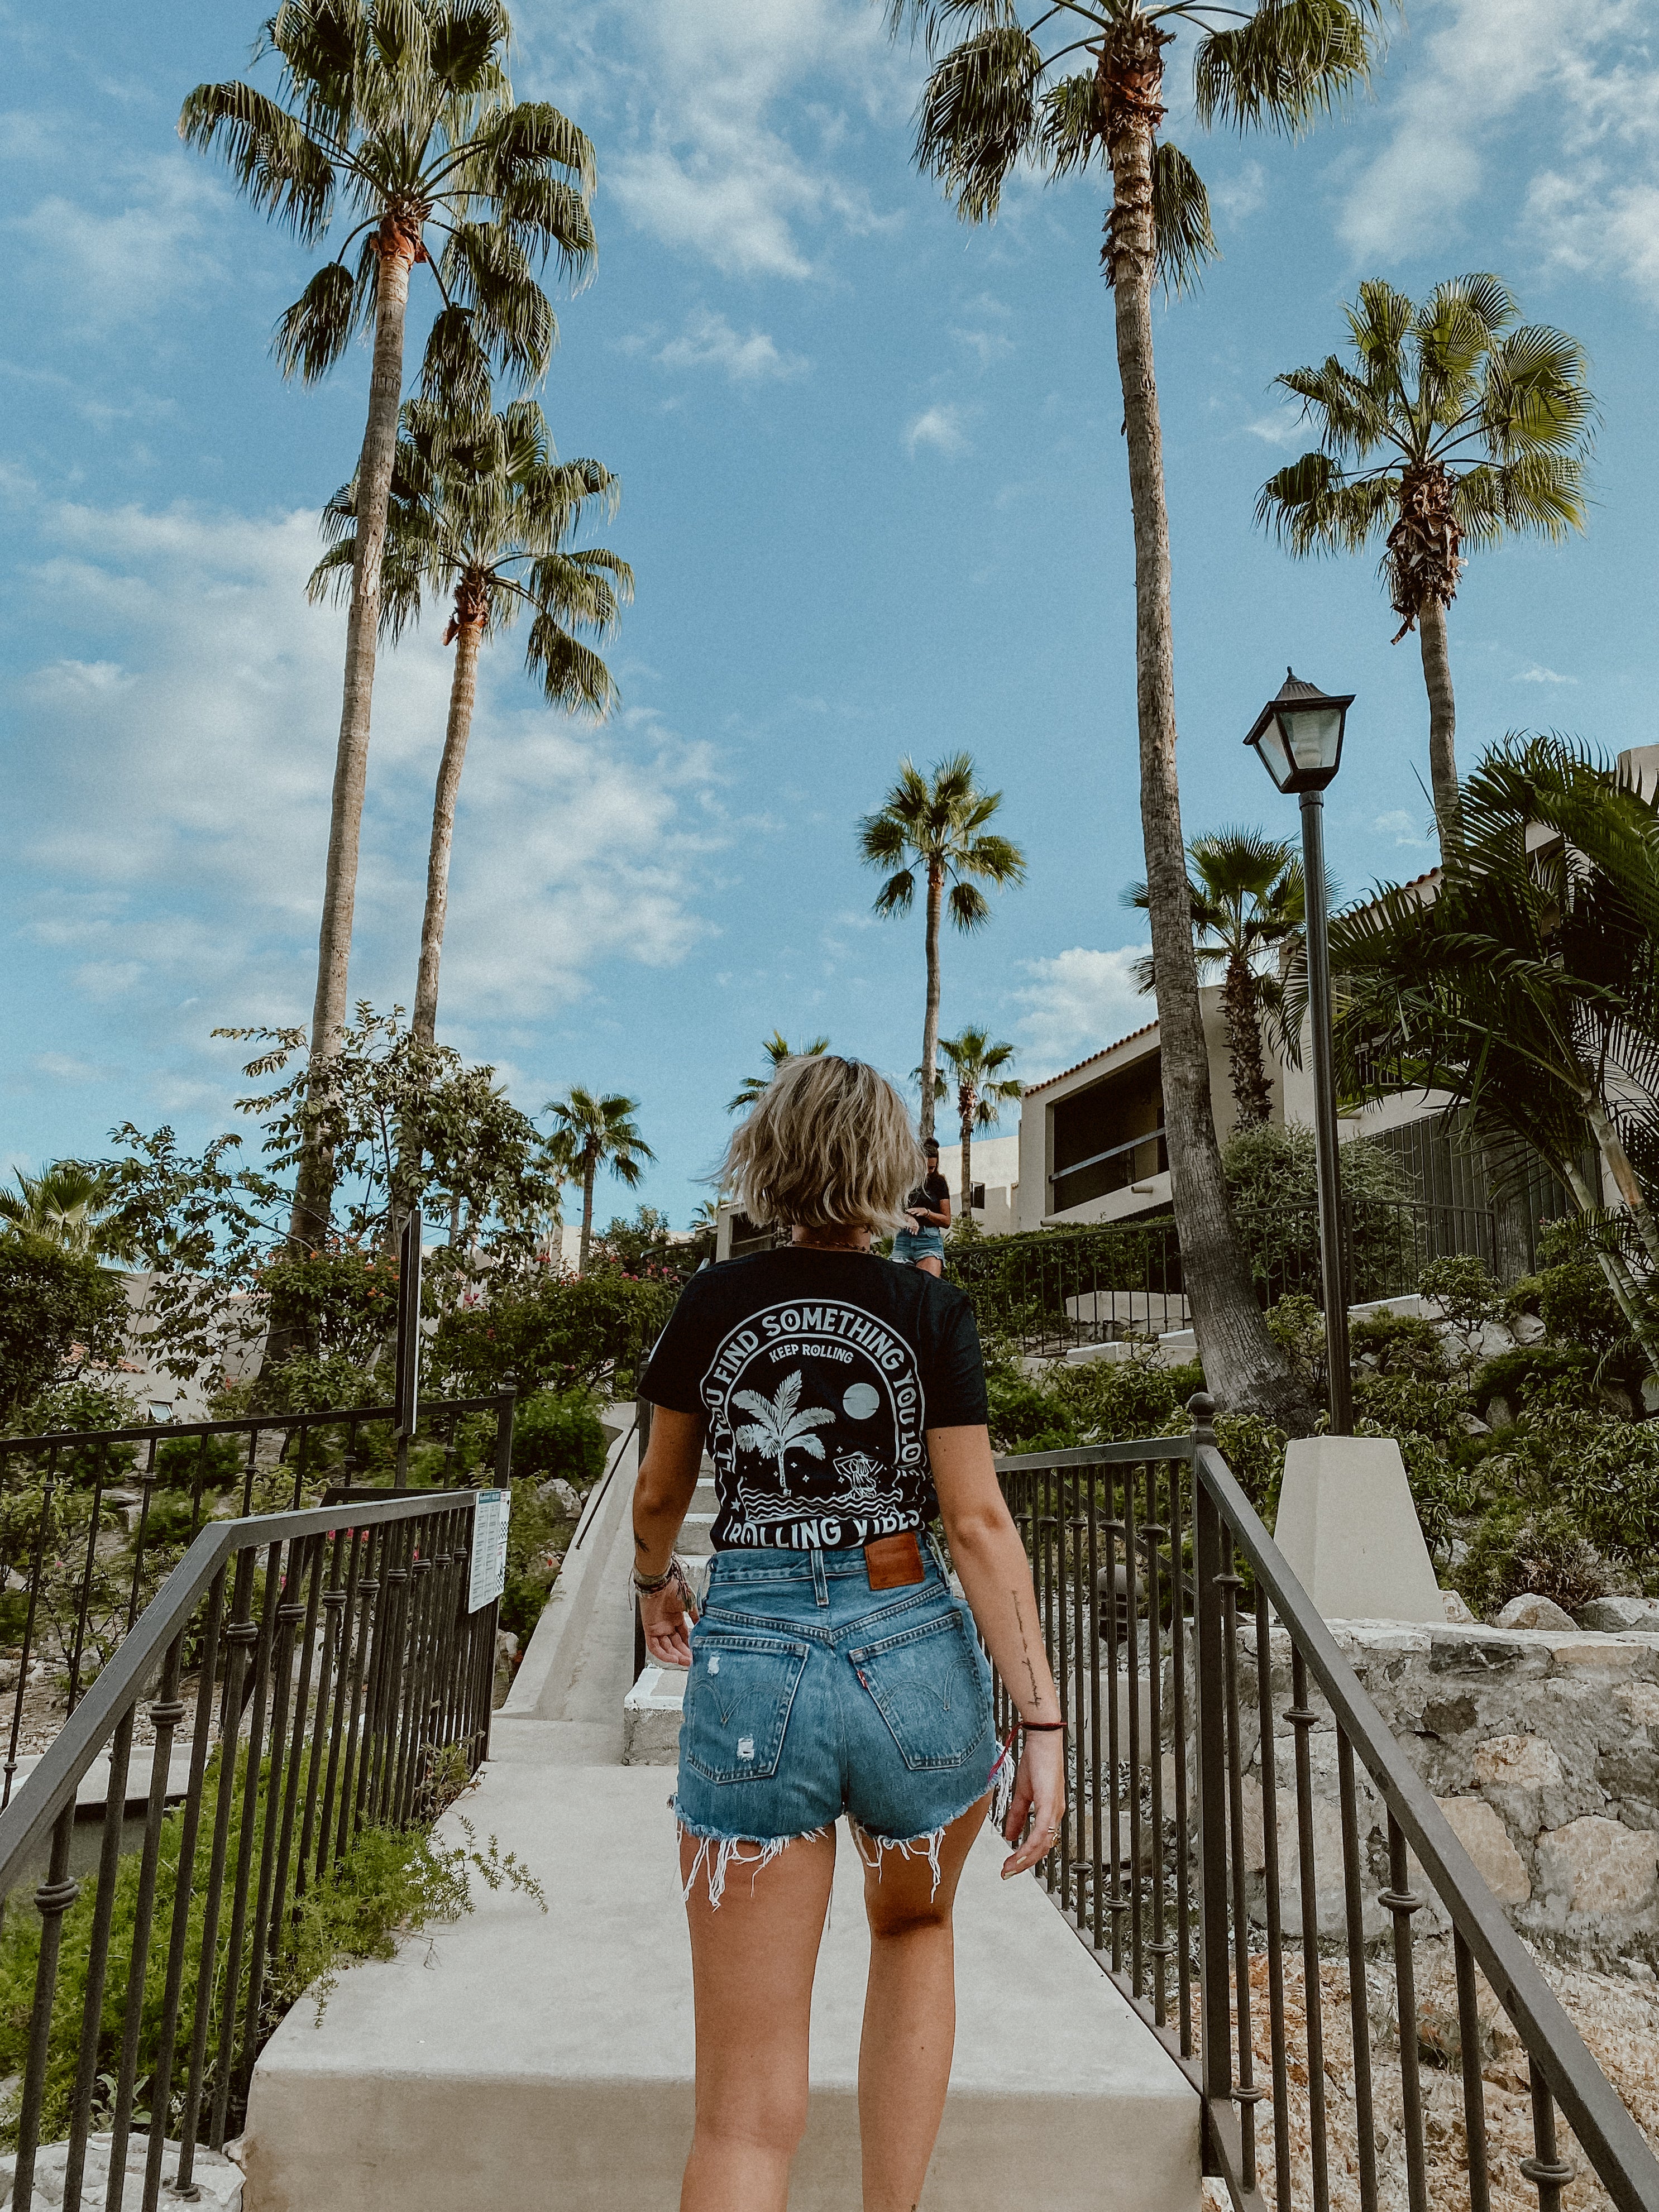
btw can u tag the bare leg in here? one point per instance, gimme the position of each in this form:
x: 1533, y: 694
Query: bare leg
x: 752, y: 1961
x: 930, y: 1265
x: 909, y: 2013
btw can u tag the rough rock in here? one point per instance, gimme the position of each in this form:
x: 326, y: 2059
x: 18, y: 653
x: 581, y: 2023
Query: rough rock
x: 1530, y: 1610
x: 1456, y: 1606
x: 1614, y: 1615
x: 1598, y: 1865
x: 1480, y: 1828
x: 1528, y: 1328
x: 559, y: 1492
x: 1517, y: 1762
x: 220, y: 2181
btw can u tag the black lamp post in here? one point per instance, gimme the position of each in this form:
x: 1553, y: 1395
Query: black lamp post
x: 1298, y: 739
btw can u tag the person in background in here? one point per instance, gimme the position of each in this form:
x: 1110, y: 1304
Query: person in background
x: 920, y: 1242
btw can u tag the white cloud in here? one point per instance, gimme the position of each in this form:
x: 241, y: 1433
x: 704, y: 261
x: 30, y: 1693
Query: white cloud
x: 1237, y: 197
x: 1076, y: 1003
x: 1280, y: 426
x: 1586, y: 68
x: 78, y: 679
x: 708, y: 341
x: 1401, y: 828
x: 700, y: 158
x: 1539, y: 674
x: 176, y: 823
x: 944, y: 427
x: 125, y: 256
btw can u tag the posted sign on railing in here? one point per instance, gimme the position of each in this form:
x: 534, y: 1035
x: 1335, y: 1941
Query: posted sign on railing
x: 489, y: 1560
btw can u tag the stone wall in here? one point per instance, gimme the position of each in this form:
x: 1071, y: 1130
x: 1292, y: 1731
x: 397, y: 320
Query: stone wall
x: 1542, y: 1750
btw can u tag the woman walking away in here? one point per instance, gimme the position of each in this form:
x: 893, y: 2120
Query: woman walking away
x: 920, y: 1242
x: 843, y: 1400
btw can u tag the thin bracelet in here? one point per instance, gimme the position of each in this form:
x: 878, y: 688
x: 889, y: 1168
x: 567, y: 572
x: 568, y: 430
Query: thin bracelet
x: 1043, y: 1727
x: 648, y: 1585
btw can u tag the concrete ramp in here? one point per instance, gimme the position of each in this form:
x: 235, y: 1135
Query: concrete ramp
x: 534, y: 2062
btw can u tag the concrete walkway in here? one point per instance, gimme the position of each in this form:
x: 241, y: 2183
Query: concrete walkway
x: 520, y: 2061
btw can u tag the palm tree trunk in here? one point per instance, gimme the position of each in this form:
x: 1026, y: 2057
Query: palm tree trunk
x: 314, y: 1184
x: 1251, y: 1094
x: 1442, y: 725
x: 1626, y: 1295
x: 589, y: 1169
x: 930, y: 1023
x: 1243, y: 1367
x: 463, y: 693
x: 1610, y: 1146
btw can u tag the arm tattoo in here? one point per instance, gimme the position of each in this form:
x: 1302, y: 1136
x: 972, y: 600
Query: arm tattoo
x: 1025, y: 1649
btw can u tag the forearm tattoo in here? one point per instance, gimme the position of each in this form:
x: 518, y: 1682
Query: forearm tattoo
x: 1025, y: 1649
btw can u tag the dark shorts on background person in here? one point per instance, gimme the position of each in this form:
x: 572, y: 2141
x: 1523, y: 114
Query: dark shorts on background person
x: 913, y: 1244
x: 810, y: 1694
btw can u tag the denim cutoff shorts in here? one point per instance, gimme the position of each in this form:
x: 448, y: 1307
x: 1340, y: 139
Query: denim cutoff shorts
x: 810, y: 1694
x: 926, y: 1243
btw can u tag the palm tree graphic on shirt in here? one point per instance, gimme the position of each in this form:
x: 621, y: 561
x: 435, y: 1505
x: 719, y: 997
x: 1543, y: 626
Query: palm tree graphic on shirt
x: 781, y: 1423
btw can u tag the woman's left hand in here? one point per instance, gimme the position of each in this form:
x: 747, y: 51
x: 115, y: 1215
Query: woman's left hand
x: 668, y: 1615
x: 1039, y: 1798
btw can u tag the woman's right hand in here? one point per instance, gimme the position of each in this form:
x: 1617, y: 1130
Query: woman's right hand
x: 667, y: 1618
x: 1039, y: 1799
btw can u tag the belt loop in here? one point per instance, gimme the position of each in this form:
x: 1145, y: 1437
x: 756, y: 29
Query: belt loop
x: 820, y: 1580
x: 938, y: 1551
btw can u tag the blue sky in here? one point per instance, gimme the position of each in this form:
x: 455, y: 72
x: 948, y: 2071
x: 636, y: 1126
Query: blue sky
x: 874, y: 495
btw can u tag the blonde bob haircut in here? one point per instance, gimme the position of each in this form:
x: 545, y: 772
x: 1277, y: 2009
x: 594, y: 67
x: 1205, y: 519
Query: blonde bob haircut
x: 829, y: 1143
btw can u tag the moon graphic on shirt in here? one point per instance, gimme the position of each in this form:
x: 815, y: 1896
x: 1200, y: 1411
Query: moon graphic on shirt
x: 861, y: 1399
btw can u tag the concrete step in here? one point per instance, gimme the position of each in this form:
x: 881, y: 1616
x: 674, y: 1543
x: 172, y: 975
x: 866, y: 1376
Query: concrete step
x: 650, y: 1717
x: 518, y: 2060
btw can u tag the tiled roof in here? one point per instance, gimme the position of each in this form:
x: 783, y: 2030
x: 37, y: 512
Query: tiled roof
x: 1145, y: 1030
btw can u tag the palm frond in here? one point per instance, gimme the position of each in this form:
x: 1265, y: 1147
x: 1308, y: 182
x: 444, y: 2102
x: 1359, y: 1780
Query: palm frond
x: 1290, y: 62
x: 273, y: 159
x: 977, y: 115
x: 970, y: 908
x: 314, y: 332
x: 897, y: 893
x: 1312, y: 507
x: 1182, y: 236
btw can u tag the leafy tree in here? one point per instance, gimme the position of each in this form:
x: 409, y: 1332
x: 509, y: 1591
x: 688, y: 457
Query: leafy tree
x: 398, y: 116
x: 481, y: 512
x: 936, y: 825
x: 69, y: 1205
x: 1528, y: 989
x: 1247, y: 897
x: 1063, y: 89
x: 983, y: 1089
x: 777, y: 1048
x: 1455, y: 426
x: 550, y: 1332
x: 59, y: 1311
x: 592, y: 1133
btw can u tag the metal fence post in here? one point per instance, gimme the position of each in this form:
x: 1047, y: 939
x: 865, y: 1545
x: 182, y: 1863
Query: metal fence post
x: 1217, y: 2053
x: 506, y: 1402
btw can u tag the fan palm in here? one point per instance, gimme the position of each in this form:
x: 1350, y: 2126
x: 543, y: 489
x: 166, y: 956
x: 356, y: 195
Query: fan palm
x: 481, y: 512
x: 983, y: 1089
x: 69, y: 1204
x: 781, y: 1423
x: 1062, y: 88
x: 937, y: 825
x: 777, y: 1048
x: 1454, y: 427
x: 592, y: 1133
x: 1247, y: 895
x: 398, y: 116
x: 1528, y: 989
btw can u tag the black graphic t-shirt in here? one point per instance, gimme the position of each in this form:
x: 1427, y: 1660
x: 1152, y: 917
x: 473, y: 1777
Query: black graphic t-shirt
x: 818, y: 1373
x: 929, y: 1195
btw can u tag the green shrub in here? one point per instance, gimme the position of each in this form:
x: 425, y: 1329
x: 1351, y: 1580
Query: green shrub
x: 1534, y: 1376
x: 1528, y: 1549
x: 1462, y: 1285
x: 1602, y: 1471
x: 1110, y: 1403
x: 558, y: 1432
x: 1398, y: 1344
x: 52, y: 1302
x: 214, y: 1463
x: 550, y: 1332
x: 1273, y: 1190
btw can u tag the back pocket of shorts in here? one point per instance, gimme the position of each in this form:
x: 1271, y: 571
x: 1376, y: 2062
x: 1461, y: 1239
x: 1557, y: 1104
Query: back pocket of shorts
x: 737, y: 1704
x: 929, y: 1686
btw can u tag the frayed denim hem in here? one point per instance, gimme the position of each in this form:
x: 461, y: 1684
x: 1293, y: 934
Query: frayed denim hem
x: 716, y: 1854
x: 926, y: 1845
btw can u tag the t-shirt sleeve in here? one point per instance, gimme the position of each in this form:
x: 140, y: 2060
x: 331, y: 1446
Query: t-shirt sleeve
x: 938, y: 1190
x: 953, y: 1380
x: 673, y: 1374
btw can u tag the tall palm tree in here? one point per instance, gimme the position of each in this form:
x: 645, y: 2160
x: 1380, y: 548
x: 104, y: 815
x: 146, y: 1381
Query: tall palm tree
x: 397, y: 114
x: 1061, y: 88
x: 777, y: 1048
x: 781, y: 1424
x: 591, y: 1133
x: 481, y: 512
x: 983, y: 1089
x: 68, y: 1203
x: 936, y: 826
x: 1248, y: 895
x: 1454, y: 427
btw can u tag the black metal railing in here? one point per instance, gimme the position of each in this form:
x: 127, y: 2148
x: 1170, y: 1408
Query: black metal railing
x: 325, y: 1663
x: 1272, y: 1950
x: 92, y: 1522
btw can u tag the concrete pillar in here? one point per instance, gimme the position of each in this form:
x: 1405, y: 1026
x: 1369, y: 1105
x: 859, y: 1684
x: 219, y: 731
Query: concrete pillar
x: 1349, y: 1531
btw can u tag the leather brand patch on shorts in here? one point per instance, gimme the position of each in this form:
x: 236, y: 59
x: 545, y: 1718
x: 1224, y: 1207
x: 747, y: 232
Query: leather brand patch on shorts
x: 891, y: 1562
